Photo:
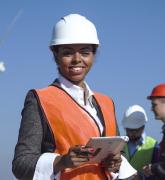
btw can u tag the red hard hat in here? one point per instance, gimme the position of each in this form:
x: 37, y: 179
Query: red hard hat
x: 158, y: 91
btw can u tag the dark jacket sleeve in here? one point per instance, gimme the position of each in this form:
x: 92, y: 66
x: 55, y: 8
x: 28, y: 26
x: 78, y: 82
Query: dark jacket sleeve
x: 28, y: 147
x: 158, y: 169
x: 155, y: 155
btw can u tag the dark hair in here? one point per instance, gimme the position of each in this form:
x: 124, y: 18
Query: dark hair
x: 55, y: 48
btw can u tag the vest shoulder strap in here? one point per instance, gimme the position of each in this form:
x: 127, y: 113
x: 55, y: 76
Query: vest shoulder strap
x: 48, y: 142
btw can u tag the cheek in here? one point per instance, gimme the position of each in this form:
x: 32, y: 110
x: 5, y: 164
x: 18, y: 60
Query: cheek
x: 63, y: 68
x: 63, y: 63
x: 89, y: 66
x: 162, y: 112
x: 159, y: 110
x: 90, y: 62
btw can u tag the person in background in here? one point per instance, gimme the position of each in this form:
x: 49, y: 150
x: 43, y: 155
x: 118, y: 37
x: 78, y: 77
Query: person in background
x: 58, y: 120
x: 157, y: 98
x: 140, y: 150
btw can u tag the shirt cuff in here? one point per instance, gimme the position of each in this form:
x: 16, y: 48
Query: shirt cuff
x: 126, y: 170
x: 44, y: 167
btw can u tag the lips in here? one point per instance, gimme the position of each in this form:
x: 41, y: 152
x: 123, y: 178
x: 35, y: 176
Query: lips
x: 76, y: 69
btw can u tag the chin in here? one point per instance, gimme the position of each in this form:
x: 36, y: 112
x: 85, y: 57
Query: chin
x: 76, y: 79
x: 135, y: 139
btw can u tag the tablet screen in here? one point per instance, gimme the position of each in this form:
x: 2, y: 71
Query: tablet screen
x: 106, y: 145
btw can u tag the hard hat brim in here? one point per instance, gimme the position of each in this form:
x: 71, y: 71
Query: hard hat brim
x: 152, y: 97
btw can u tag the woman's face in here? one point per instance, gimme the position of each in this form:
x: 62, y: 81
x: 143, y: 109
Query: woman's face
x: 74, y: 61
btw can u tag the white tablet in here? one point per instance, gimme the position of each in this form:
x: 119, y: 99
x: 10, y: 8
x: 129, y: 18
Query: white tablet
x: 106, y: 145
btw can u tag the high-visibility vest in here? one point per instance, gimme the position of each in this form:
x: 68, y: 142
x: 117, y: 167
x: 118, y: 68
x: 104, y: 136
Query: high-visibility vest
x: 72, y: 125
x: 143, y: 154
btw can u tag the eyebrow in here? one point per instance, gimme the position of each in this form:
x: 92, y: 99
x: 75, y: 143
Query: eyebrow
x: 153, y: 104
x: 86, y: 48
x: 83, y: 48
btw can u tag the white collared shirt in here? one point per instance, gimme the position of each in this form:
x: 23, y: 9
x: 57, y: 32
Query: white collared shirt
x: 85, y: 101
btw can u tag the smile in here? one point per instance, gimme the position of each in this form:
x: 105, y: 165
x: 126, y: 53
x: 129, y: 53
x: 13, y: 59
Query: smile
x: 76, y: 69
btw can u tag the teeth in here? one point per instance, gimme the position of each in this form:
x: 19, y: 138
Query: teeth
x: 76, y: 68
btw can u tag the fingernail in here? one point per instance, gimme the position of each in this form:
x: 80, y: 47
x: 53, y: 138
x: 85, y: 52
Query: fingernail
x: 91, y: 150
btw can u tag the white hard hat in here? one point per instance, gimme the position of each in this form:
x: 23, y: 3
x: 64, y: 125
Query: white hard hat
x: 134, y: 117
x: 74, y: 29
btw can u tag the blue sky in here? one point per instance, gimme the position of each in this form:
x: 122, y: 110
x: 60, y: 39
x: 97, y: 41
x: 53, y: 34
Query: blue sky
x: 130, y: 60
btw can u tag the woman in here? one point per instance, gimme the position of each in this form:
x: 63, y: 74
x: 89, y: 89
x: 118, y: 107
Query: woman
x: 57, y: 121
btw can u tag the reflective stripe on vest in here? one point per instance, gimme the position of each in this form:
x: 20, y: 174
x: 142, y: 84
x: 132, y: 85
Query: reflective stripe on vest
x: 72, y: 125
x: 143, y: 155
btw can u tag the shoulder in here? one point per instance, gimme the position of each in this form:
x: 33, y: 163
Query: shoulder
x: 152, y: 142
x: 31, y: 101
x: 149, y: 138
x: 30, y: 96
x: 103, y: 97
x: 104, y: 100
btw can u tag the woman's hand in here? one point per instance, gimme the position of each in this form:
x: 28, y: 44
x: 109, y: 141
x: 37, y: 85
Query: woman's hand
x: 76, y: 156
x: 112, y: 162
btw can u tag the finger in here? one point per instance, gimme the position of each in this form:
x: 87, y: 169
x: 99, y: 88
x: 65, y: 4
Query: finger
x: 72, y: 155
x: 76, y: 148
x: 114, y: 170
x: 84, y: 152
x: 77, y: 161
x: 114, y: 158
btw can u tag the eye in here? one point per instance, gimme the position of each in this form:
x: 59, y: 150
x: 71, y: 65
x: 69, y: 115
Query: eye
x: 85, y: 53
x: 153, y: 105
x: 67, y: 53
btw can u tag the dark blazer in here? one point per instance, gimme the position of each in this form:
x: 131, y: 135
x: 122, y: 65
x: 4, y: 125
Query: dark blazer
x: 158, y: 169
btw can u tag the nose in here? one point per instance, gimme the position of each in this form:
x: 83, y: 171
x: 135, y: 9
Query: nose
x: 77, y: 57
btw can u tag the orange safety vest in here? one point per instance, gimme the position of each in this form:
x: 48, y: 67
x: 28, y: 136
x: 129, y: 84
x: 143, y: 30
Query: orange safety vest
x: 72, y: 125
